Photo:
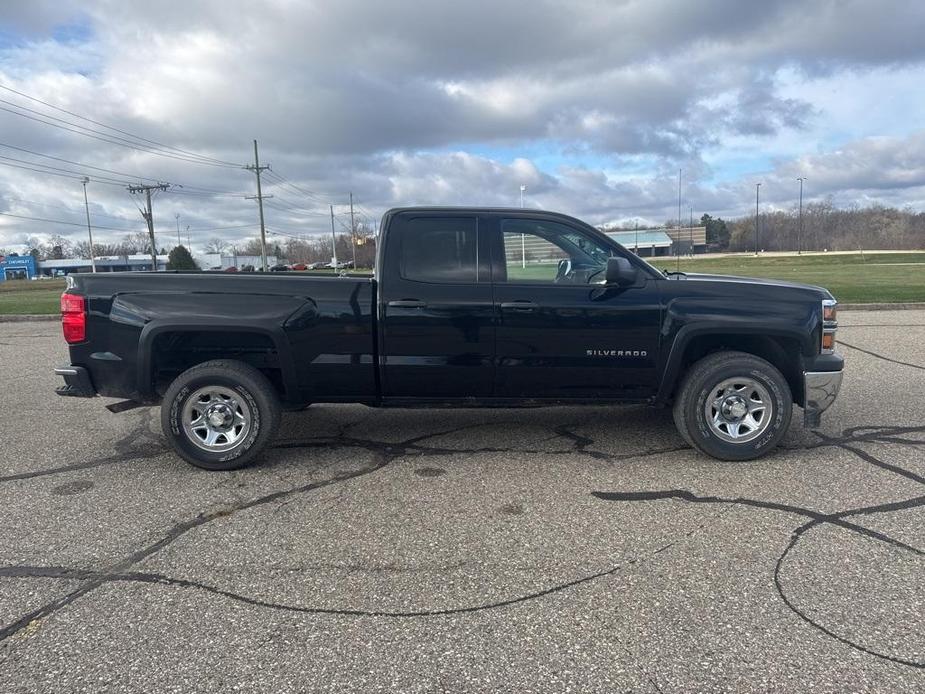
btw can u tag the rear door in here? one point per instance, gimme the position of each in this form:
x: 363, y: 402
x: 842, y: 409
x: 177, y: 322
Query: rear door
x: 436, y: 309
x: 562, y: 333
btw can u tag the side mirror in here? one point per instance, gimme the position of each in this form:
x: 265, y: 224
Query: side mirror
x: 621, y: 272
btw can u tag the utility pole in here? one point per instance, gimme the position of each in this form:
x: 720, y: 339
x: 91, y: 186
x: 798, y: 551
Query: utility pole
x: 86, y: 180
x: 333, y: 242
x: 179, y: 243
x: 188, y: 244
x: 149, y: 216
x: 257, y: 169
x: 636, y: 247
x: 353, y: 234
x: 757, y: 188
x: 800, y: 231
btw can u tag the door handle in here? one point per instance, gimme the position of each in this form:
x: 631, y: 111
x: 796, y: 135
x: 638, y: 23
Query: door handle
x: 407, y: 303
x: 518, y: 306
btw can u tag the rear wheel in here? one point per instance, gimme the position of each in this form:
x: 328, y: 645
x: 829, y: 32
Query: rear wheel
x: 219, y: 415
x: 733, y: 406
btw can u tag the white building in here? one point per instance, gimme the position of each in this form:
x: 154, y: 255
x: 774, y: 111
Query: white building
x: 220, y: 261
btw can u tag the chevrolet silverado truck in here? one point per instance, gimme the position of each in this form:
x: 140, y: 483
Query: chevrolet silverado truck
x: 467, y: 307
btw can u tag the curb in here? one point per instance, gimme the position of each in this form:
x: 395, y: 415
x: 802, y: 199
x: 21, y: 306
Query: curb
x: 909, y: 306
x: 26, y: 318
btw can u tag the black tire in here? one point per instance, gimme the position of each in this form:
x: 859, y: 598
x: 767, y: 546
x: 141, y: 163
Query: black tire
x: 705, y: 377
x: 240, y: 392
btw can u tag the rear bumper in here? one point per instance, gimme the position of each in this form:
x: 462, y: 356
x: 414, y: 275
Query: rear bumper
x: 77, y: 383
x: 820, y: 388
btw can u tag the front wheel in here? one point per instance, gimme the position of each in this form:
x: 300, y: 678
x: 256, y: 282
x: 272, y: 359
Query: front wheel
x: 733, y: 406
x: 219, y: 415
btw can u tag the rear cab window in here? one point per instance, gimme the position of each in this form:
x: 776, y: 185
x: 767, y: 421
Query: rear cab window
x: 440, y: 250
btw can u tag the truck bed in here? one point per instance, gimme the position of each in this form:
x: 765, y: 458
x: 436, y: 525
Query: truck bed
x: 143, y: 328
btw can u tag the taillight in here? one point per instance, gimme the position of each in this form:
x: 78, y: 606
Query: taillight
x: 74, y: 318
x: 829, y: 325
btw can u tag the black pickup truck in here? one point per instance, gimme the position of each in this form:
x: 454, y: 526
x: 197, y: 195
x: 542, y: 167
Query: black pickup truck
x: 467, y: 307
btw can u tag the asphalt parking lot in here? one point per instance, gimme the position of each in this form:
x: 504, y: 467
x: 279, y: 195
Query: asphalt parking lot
x: 563, y: 549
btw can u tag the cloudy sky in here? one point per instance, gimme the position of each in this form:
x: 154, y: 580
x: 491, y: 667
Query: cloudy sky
x: 593, y: 105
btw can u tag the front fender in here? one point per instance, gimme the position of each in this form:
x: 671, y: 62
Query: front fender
x: 686, y: 320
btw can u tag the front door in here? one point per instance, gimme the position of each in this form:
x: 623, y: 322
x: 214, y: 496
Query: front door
x: 562, y: 333
x: 437, y: 314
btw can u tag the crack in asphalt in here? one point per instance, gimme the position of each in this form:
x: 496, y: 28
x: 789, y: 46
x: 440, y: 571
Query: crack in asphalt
x: 100, y: 577
x: 388, y: 451
x: 816, y: 519
x: 880, y: 356
x: 385, y: 452
x: 126, y: 450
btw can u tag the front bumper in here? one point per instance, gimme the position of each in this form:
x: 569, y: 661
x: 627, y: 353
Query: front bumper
x: 77, y: 383
x: 820, y: 389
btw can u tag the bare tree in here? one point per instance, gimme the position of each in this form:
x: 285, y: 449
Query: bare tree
x: 214, y: 245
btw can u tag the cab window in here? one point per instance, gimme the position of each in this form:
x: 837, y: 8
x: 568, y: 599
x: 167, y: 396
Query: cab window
x: 540, y: 251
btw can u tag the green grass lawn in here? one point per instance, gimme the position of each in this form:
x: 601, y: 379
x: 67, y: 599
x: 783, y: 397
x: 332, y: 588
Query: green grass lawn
x: 30, y: 296
x: 855, y: 278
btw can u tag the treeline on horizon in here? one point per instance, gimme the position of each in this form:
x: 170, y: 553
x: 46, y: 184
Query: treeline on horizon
x: 825, y: 227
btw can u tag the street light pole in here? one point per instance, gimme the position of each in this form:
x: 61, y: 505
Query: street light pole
x: 333, y: 242
x: 523, y: 239
x: 757, y: 188
x: 85, y: 181
x: 678, y: 235
x: 179, y: 243
x: 800, y: 232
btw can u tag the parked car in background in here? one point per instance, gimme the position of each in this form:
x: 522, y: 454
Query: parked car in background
x: 279, y: 268
x: 231, y: 269
x: 300, y: 267
x: 317, y: 266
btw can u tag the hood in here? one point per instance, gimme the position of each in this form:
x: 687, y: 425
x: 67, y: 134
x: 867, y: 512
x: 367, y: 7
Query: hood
x: 751, y: 281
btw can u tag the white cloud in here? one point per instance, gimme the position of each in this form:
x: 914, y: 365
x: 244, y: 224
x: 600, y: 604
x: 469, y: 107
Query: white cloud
x: 437, y: 102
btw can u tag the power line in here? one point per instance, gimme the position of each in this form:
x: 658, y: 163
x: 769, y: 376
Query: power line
x: 295, y: 213
x: 294, y: 207
x: 202, y: 157
x: 105, y: 137
x: 237, y: 226
x: 282, y: 180
x: 66, y: 208
x: 61, y: 221
x: 111, y: 171
x: 71, y: 175
x: 58, y: 168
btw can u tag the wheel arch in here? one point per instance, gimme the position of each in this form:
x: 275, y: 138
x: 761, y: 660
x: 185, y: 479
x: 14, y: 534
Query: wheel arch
x: 277, y: 352
x: 781, y: 348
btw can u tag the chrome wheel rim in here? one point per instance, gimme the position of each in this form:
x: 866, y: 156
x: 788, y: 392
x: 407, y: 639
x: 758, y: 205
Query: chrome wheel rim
x: 216, y: 419
x: 738, y: 410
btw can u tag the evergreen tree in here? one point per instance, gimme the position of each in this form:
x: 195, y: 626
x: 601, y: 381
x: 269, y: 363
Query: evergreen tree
x: 180, y: 259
